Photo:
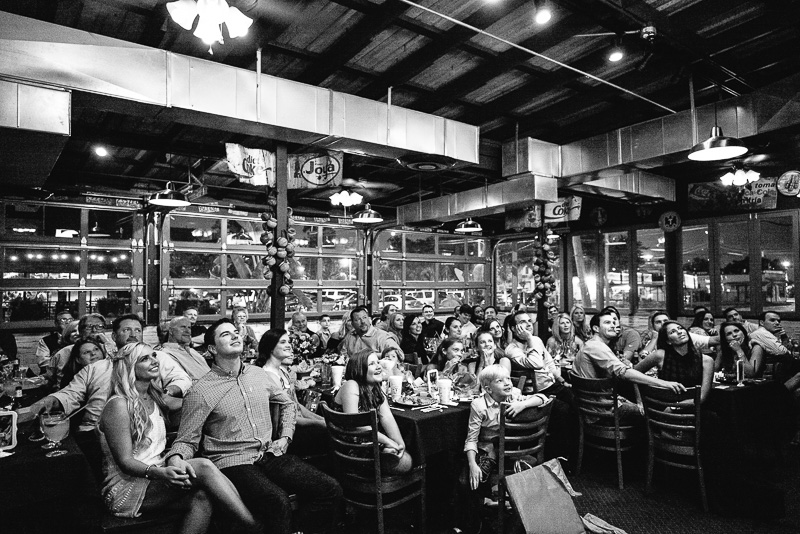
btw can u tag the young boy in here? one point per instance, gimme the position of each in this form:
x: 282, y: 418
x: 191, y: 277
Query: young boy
x: 484, y: 426
x: 324, y: 333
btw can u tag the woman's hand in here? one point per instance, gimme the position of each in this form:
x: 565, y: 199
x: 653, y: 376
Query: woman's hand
x: 474, y: 475
x: 177, y: 476
x: 736, y: 346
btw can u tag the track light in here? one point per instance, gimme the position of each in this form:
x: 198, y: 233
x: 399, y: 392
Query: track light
x: 543, y: 12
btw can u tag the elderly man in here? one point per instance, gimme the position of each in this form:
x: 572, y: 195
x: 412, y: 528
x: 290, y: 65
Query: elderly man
x: 91, y: 326
x: 92, y: 384
x: 51, y: 343
x: 179, y: 348
x: 305, y: 343
x: 226, y: 418
x: 365, y: 336
x: 597, y: 360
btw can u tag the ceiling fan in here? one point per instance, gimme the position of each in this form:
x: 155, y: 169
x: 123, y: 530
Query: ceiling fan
x: 367, y: 189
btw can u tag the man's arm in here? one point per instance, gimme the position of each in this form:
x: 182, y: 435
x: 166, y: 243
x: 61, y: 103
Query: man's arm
x: 75, y: 394
x: 193, y: 416
x: 42, y: 354
x: 174, y: 379
x: 769, y: 343
x: 287, y: 407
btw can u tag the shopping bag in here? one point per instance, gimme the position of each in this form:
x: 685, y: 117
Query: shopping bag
x: 543, y: 502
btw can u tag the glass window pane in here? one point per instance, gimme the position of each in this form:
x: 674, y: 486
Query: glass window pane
x: 504, y: 275
x: 777, y: 253
x: 650, y: 275
x: 194, y: 265
x: 306, y: 236
x: 247, y: 267
x: 254, y: 300
x: 37, y: 305
x: 41, y: 264
x: 339, y: 299
x: 416, y: 299
x: 477, y: 296
x: 340, y: 239
x: 301, y: 300
x: 339, y: 269
x: 615, y: 248
x: 526, y: 277
x: 417, y: 271
x: 389, y: 242
x: 24, y: 220
x: 451, y: 272
x: 243, y: 232
x: 451, y: 246
x: 476, y: 272
x: 110, y: 304
x: 390, y: 270
x: 420, y: 243
x: 206, y: 300
x: 304, y: 268
x: 477, y: 248
x: 110, y: 224
x: 389, y: 296
x: 62, y: 222
x: 695, y: 267
x: 109, y: 264
x: 195, y: 229
x: 447, y: 299
x: 734, y: 265
x: 584, y: 269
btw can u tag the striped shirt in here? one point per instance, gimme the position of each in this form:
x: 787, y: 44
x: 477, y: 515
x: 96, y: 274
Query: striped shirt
x: 226, y: 418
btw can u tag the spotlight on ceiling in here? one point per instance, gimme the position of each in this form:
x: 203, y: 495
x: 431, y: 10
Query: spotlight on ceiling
x: 616, y: 53
x: 468, y: 227
x: 543, y: 12
x: 101, y: 151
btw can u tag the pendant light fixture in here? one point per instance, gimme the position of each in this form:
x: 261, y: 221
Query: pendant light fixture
x: 169, y: 198
x: 717, y: 147
x: 213, y: 14
x: 468, y: 226
x: 367, y: 216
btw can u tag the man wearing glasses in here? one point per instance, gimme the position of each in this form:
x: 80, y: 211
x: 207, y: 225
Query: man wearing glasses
x: 91, y: 326
x: 51, y: 343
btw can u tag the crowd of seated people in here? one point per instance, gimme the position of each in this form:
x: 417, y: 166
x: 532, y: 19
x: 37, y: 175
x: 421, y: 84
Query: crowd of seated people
x: 232, y: 452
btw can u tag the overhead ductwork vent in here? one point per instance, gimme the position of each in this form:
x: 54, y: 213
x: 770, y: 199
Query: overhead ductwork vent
x: 497, y: 198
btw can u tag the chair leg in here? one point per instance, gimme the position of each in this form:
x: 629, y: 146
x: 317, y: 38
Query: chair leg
x: 501, y: 504
x: 619, y: 461
x: 379, y: 510
x: 422, y: 517
x: 580, y: 449
x: 650, y: 461
x: 702, y: 479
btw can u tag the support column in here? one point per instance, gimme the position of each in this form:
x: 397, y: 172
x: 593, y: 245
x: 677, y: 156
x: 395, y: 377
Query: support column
x: 277, y: 304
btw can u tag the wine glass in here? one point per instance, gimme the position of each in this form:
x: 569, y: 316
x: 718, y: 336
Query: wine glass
x: 55, y: 427
x: 37, y: 434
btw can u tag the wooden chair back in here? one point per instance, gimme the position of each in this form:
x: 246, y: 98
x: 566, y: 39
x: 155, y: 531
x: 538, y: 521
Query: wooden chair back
x: 530, y: 379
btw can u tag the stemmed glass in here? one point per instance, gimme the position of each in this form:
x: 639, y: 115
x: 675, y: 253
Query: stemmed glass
x: 37, y: 434
x: 55, y: 427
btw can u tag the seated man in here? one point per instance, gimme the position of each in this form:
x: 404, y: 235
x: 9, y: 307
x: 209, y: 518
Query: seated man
x: 90, y: 326
x: 179, y: 348
x: 324, y: 333
x: 597, y: 360
x: 732, y: 315
x: 304, y: 341
x: 772, y: 337
x: 364, y: 336
x: 91, y: 386
x: 51, y: 343
x: 627, y: 341
x: 464, y: 316
x: 226, y: 418
x: 198, y: 331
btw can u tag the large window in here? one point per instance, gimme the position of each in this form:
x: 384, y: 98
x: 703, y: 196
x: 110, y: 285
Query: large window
x: 734, y: 264
x: 518, y: 275
x: 443, y: 270
x: 696, y: 271
x: 650, y: 269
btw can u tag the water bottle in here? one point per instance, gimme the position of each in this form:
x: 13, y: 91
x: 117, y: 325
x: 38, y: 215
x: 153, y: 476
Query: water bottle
x: 739, y: 364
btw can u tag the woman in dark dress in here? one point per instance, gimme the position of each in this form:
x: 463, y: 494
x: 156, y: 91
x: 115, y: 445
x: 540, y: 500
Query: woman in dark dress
x: 413, y: 342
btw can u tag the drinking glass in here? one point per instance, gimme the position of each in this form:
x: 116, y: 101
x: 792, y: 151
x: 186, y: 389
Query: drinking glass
x: 37, y: 434
x: 55, y: 427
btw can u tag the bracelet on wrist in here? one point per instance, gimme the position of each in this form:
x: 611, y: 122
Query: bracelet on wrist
x: 147, y: 472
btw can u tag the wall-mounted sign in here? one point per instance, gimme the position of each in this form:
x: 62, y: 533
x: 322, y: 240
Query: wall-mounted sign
x: 716, y: 197
x: 789, y: 184
x: 254, y: 166
x: 316, y: 169
x: 566, y: 209
x: 669, y: 221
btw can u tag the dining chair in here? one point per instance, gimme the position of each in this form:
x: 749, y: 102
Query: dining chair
x: 673, y: 432
x: 530, y: 379
x: 520, y: 439
x: 357, y: 464
x: 598, y: 417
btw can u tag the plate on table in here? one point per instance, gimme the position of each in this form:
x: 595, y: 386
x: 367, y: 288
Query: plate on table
x: 413, y: 402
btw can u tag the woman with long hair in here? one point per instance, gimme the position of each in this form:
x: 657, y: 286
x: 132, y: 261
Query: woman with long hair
x: 394, y: 326
x: 578, y: 317
x: 275, y: 356
x: 449, y: 354
x: 735, y: 343
x: 703, y: 325
x: 494, y: 327
x: 412, y: 341
x: 84, y: 352
x: 133, y: 438
x: 362, y: 392
x: 678, y: 360
x: 564, y: 342
x: 488, y: 351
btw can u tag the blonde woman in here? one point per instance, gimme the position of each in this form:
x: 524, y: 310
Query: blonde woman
x: 579, y: 320
x: 564, y: 343
x: 133, y: 438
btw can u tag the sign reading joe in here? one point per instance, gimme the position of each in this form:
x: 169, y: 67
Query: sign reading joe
x: 315, y: 169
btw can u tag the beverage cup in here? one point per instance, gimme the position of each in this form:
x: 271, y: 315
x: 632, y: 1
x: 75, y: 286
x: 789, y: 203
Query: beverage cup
x: 337, y: 372
x: 445, y: 386
x: 395, y: 387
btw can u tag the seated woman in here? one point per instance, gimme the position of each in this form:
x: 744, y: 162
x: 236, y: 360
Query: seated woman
x: 564, y: 343
x: 275, y: 356
x: 578, y: 317
x: 483, y: 429
x: 494, y: 327
x: 489, y: 353
x: 449, y: 356
x: 413, y: 342
x: 362, y: 392
x: 679, y: 360
x: 735, y: 343
x: 83, y: 353
x: 239, y: 318
x: 133, y: 438
x: 394, y: 326
x: 703, y: 325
